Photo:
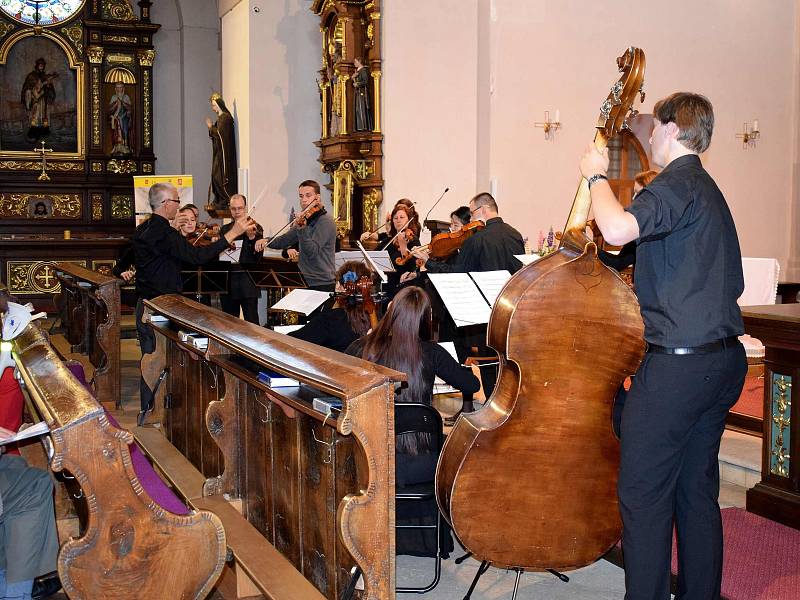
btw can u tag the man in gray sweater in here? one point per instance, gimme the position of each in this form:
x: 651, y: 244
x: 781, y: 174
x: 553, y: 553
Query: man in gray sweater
x: 311, y: 240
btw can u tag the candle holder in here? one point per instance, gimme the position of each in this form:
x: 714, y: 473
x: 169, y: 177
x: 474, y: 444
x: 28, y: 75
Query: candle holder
x: 750, y: 134
x: 550, y: 127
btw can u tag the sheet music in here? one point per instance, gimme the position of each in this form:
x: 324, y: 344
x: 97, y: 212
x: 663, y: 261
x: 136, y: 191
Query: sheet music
x: 284, y: 329
x: 39, y: 428
x: 461, y: 298
x: 439, y: 386
x: 527, y: 259
x: 302, y: 301
x: 377, y: 260
x: 229, y: 255
x: 490, y: 283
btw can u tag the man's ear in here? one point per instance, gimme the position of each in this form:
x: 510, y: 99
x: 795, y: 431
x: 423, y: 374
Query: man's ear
x: 672, y: 130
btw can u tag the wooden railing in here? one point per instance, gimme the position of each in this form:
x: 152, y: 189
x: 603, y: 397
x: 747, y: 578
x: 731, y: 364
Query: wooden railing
x: 131, y: 547
x: 319, y: 489
x: 89, y: 306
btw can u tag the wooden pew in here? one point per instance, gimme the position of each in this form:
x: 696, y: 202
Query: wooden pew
x: 320, y: 491
x: 89, y: 307
x: 131, y: 547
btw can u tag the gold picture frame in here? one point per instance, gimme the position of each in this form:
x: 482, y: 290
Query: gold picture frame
x: 76, y: 65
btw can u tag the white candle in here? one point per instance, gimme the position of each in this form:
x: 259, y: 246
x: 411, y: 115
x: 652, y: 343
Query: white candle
x: 755, y: 125
x: 558, y: 116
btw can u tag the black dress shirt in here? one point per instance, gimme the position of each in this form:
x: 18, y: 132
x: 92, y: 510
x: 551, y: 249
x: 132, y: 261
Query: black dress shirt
x: 241, y: 283
x: 329, y: 328
x: 160, y: 249
x: 688, y: 262
x: 490, y: 249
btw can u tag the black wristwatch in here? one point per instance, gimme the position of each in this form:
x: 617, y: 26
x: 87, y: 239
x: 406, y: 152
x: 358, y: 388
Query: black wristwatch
x: 595, y: 178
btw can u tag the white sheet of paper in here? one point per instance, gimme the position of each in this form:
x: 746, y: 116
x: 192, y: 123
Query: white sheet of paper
x: 39, y: 428
x: 302, y: 301
x: 490, y: 283
x: 527, y: 259
x: 380, y: 258
x: 439, y: 386
x: 461, y: 298
x: 229, y: 255
x: 284, y: 329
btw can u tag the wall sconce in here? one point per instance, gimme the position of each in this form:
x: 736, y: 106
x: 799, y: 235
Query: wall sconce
x: 550, y: 127
x: 749, y: 134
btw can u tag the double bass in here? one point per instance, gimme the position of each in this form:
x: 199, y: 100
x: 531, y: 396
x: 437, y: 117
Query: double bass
x: 529, y: 481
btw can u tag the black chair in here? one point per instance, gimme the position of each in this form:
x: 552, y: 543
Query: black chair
x: 416, y: 474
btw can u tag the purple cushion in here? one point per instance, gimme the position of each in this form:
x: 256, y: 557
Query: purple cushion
x: 159, y: 491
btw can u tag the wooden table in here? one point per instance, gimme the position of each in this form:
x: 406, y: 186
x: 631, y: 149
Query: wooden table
x: 788, y: 291
x: 777, y: 495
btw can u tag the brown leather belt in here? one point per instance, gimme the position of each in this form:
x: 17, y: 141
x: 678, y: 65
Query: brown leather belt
x: 716, y: 346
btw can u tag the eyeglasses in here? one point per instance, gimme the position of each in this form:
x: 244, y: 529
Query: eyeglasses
x: 472, y: 212
x: 178, y: 201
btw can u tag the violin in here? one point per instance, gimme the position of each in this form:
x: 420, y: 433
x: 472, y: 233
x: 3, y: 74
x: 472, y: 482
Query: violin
x: 443, y: 245
x: 407, y: 235
x: 302, y: 219
x: 204, y: 235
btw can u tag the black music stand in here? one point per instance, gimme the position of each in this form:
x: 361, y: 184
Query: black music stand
x: 200, y: 283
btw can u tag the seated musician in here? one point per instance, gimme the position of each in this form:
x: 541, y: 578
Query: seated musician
x: 491, y: 249
x: 28, y: 537
x: 346, y: 322
x: 401, y: 342
x: 188, y: 225
x: 242, y: 291
x: 627, y: 254
x: 376, y: 235
x: 403, y: 235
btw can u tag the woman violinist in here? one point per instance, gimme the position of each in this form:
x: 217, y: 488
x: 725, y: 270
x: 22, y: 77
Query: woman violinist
x: 402, y: 237
x: 348, y: 320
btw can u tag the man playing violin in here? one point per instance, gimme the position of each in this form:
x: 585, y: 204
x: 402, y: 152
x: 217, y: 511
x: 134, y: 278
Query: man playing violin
x: 242, y: 291
x: 314, y: 233
x: 491, y: 249
x: 688, y: 278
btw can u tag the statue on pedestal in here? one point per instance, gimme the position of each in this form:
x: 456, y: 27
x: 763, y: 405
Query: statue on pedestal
x: 120, y: 111
x: 362, y: 114
x: 224, y: 176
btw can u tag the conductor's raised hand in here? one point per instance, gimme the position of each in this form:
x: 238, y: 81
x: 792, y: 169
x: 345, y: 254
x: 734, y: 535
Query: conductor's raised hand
x: 594, y: 161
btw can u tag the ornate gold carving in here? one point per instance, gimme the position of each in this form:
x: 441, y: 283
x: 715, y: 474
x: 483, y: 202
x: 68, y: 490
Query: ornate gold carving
x: 121, y: 166
x: 66, y: 206
x: 121, y: 206
x: 147, y: 112
x: 34, y: 277
x: 97, y: 209
x: 343, y: 88
x: 74, y: 33
x: 147, y: 57
x: 14, y: 205
x: 781, y: 420
x: 95, y: 106
x: 119, y: 59
x: 35, y: 165
x: 95, y: 54
x: 372, y: 199
x: 342, y: 197
x: 147, y: 168
x: 375, y: 16
x: 118, y: 10
x: 371, y: 34
x: 5, y: 28
x: 376, y: 76
x: 97, y: 167
x: 120, y: 39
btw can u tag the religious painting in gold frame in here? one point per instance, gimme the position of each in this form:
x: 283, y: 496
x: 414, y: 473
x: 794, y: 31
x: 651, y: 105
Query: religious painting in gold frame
x: 342, y: 199
x: 45, y: 77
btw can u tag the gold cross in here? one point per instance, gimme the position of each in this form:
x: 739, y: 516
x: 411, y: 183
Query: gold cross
x: 44, y: 152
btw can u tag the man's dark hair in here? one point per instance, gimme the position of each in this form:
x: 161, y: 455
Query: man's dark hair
x: 694, y: 116
x: 309, y: 183
x: 484, y: 199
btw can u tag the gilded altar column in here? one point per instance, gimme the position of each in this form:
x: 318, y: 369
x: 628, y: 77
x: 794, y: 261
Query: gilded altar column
x: 95, y: 54
x: 146, y: 60
x: 376, y: 77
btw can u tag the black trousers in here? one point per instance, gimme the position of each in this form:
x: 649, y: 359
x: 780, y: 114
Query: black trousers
x: 147, y: 344
x: 672, y: 424
x: 249, y: 307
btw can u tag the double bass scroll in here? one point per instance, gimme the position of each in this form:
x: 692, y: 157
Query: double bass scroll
x: 529, y: 481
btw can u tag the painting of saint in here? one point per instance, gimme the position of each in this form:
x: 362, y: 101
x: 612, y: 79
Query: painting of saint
x: 38, y: 93
x: 120, y: 111
x: 41, y: 93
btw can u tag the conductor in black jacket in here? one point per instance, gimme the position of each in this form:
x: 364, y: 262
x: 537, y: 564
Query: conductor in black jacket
x: 242, y: 291
x: 160, y: 249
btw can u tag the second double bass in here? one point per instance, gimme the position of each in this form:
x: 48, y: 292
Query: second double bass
x: 529, y: 481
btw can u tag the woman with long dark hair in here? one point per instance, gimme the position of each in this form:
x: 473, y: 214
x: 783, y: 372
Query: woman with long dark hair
x: 347, y: 321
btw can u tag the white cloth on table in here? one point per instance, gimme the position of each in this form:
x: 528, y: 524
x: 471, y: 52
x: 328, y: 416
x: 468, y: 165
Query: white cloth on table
x: 760, y: 287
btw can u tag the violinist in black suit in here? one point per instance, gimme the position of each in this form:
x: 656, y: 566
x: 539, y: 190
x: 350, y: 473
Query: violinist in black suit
x: 242, y: 291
